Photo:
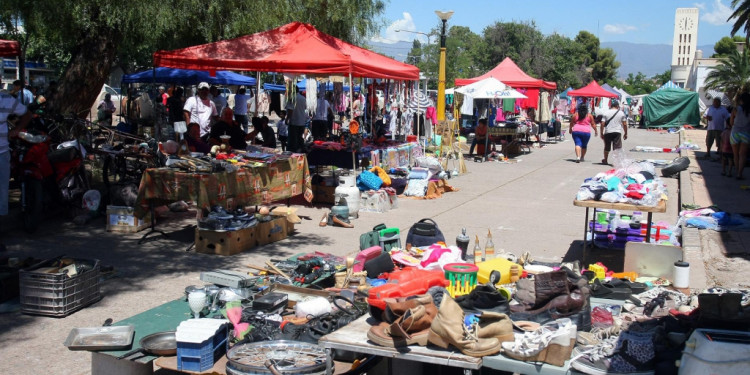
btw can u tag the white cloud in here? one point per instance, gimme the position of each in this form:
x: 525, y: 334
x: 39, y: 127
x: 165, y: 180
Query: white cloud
x: 718, y: 14
x: 390, y: 35
x: 619, y: 28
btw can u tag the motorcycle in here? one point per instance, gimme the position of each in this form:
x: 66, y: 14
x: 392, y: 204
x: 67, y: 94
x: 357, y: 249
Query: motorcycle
x: 45, y: 176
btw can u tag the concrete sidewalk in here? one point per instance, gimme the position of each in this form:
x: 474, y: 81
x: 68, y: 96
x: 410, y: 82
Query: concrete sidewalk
x: 716, y: 258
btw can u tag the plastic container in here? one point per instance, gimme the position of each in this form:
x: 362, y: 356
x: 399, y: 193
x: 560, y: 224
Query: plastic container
x: 56, y: 294
x: 349, y: 190
x: 681, y: 277
x: 498, y: 265
x: 201, y: 356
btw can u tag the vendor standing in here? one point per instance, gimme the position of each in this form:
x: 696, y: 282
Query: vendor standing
x: 201, y: 110
x: 614, y: 128
x: 297, y: 122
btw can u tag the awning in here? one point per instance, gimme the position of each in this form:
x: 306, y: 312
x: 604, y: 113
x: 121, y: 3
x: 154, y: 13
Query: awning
x: 510, y: 74
x: 188, y: 77
x: 490, y: 88
x: 296, y: 47
x: 592, y: 90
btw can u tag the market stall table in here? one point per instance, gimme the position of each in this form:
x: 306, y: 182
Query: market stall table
x: 599, y: 205
x: 252, y: 184
x: 353, y: 337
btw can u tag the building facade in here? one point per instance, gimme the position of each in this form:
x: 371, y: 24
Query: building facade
x: 684, y: 44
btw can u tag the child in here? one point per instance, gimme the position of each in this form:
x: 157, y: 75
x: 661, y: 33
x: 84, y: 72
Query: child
x: 727, y: 158
x: 282, y: 129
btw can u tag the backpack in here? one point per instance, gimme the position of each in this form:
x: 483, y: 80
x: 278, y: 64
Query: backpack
x: 424, y: 233
x: 372, y: 238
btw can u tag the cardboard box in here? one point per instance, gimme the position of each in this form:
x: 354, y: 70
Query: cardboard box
x: 324, y: 194
x: 274, y: 230
x: 225, y: 242
x: 121, y: 219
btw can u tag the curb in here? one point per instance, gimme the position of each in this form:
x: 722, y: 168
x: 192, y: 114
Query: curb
x: 691, y: 238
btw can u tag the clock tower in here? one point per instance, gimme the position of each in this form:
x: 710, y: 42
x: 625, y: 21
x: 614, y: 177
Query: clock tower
x: 684, y: 43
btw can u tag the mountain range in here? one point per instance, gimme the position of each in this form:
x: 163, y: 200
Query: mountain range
x: 649, y: 59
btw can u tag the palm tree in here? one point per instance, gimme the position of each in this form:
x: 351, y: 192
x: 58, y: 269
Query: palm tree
x: 741, y: 15
x: 731, y: 75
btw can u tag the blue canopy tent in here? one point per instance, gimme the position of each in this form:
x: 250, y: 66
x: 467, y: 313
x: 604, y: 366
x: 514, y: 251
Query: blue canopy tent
x: 668, y: 84
x: 611, y: 89
x: 187, y: 77
x: 329, y: 86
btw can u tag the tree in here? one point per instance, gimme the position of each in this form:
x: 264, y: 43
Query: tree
x: 590, y: 44
x: 741, y: 16
x: 96, y: 34
x: 563, y: 60
x: 415, y: 54
x: 639, y: 84
x: 662, y: 78
x: 521, y: 41
x: 731, y: 74
x: 605, y: 67
x: 462, y: 49
x: 726, y: 45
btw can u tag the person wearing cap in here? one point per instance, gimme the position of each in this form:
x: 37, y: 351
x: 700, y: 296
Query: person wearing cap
x: 201, y: 110
x: 614, y: 128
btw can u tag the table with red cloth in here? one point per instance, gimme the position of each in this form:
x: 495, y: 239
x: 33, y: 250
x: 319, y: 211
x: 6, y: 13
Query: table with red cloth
x: 251, y: 184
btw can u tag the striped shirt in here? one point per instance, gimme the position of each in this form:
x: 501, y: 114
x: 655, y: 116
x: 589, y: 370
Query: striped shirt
x: 8, y: 105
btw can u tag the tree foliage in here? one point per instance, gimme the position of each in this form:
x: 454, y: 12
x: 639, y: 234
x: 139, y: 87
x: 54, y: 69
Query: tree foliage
x: 741, y: 17
x: 725, y: 46
x: 731, y: 75
x: 662, y: 78
x: 88, y: 37
x: 639, y: 84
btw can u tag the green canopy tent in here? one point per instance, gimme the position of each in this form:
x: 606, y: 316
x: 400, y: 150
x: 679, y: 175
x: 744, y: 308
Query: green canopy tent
x: 671, y: 107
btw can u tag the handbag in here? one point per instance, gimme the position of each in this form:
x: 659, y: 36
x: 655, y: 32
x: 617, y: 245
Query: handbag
x: 368, y: 181
x: 380, y: 264
x: 372, y: 238
x: 424, y: 233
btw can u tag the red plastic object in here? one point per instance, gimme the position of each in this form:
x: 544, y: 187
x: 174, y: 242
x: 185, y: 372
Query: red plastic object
x: 404, y: 283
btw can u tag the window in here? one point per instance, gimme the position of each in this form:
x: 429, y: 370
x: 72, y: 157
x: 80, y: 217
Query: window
x: 690, y: 38
x: 680, y: 38
x: 679, y: 50
x: 688, y: 47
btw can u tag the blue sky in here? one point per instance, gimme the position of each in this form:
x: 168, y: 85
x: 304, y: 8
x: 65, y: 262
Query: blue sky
x: 637, y: 21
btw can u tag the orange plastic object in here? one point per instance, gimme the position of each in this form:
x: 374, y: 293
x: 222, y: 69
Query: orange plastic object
x: 625, y: 275
x: 407, y: 282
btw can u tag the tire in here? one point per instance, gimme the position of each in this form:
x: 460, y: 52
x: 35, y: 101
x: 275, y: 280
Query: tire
x: 33, y: 198
x: 676, y: 166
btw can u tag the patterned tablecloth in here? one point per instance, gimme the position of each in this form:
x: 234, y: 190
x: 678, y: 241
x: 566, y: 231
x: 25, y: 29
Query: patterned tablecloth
x: 250, y: 185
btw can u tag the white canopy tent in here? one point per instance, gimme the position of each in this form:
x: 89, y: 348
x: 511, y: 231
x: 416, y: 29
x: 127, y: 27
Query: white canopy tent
x: 488, y: 88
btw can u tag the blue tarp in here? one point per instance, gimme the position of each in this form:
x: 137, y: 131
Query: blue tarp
x: 301, y: 86
x: 188, y: 77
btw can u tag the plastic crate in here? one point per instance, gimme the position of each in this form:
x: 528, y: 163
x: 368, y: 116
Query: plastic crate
x: 202, y: 356
x: 56, y: 294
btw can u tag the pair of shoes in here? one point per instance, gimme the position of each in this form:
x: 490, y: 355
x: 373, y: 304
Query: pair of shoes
x: 604, y: 162
x: 409, y: 329
x: 629, y: 353
x: 341, y: 222
x: 552, y: 343
x: 448, y: 329
x: 578, y: 160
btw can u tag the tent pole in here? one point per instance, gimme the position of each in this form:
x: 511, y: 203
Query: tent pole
x: 257, y: 92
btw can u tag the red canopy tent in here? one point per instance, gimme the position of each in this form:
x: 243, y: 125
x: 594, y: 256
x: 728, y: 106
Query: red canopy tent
x: 292, y: 48
x: 510, y: 74
x: 592, y: 90
x: 9, y: 48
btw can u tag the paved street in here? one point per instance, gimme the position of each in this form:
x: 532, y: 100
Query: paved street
x: 527, y: 205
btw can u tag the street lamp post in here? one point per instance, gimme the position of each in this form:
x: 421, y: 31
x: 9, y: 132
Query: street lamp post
x: 444, y: 16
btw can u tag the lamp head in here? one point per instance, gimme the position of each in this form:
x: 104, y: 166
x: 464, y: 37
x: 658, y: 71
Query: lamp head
x: 445, y: 16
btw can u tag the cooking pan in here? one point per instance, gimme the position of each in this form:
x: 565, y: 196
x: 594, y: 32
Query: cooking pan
x: 157, y: 344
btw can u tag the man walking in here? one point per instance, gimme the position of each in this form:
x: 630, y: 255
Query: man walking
x: 614, y: 128
x: 717, y: 117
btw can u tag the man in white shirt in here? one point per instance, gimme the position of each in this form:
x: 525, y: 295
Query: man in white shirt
x: 297, y: 122
x: 614, y: 128
x: 201, y: 110
x: 320, y: 120
x: 240, y: 108
x: 717, y: 117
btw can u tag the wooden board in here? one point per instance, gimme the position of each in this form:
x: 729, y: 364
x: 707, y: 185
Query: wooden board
x: 661, y: 207
x: 353, y: 337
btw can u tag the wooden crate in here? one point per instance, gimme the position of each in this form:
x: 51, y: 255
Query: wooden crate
x: 225, y: 242
x: 121, y: 219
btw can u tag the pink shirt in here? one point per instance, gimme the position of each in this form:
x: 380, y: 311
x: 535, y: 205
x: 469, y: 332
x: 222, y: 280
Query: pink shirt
x: 583, y: 125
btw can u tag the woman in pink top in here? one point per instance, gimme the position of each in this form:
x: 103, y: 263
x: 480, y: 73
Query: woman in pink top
x: 580, y: 128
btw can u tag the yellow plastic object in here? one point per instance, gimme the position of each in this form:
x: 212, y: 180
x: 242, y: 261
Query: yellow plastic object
x: 598, y: 270
x: 501, y: 265
x: 462, y: 278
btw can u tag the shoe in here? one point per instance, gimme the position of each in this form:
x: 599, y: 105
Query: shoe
x: 604, y: 162
x: 409, y: 329
x: 324, y: 220
x: 578, y: 160
x: 497, y: 325
x: 484, y: 298
x: 549, y: 285
x: 397, y: 307
x: 554, y: 340
x: 448, y: 329
x: 339, y: 222
x: 629, y: 353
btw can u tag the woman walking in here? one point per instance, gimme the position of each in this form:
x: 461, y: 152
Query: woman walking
x: 740, y: 136
x: 580, y: 128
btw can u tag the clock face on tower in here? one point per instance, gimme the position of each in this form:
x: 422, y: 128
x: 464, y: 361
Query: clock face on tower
x: 685, y: 24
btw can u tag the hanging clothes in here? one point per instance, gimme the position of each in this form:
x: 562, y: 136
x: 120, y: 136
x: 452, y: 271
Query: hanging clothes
x: 275, y: 103
x: 543, y: 114
x: 532, y: 99
x: 509, y: 105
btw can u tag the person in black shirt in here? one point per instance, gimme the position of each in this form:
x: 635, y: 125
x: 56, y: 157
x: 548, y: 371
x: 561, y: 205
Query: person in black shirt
x: 228, y: 126
x: 174, y: 106
x: 260, y: 126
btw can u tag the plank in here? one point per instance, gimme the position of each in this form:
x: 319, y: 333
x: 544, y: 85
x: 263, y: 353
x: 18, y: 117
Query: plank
x: 661, y: 207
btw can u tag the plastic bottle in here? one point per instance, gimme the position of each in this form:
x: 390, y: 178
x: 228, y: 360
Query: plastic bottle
x: 489, y: 247
x: 478, y: 254
x: 462, y: 241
